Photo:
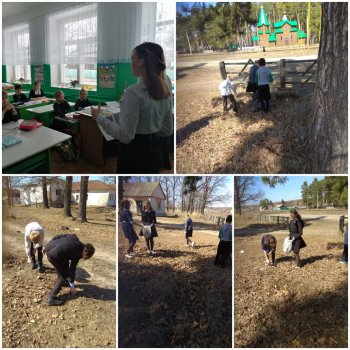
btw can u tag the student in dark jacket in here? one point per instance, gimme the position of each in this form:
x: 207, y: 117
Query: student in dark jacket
x: 61, y: 106
x: 83, y: 101
x: 9, y: 113
x: 295, y: 232
x: 189, y: 231
x: 64, y: 252
x: 19, y: 96
x: 128, y: 228
x: 148, y: 217
x: 36, y: 93
x: 268, y: 246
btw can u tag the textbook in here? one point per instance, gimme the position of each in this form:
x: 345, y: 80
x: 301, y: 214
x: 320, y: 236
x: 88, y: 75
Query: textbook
x: 9, y: 140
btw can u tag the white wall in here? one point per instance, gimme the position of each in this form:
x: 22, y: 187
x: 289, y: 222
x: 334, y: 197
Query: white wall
x: 31, y: 196
x: 97, y: 198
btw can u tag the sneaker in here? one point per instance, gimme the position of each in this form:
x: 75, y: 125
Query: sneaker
x: 33, y: 265
x: 54, y: 301
x: 297, y: 266
x: 40, y: 268
x: 148, y: 251
x: 343, y: 262
x: 128, y: 255
x: 153, y: 252
x: 192, y: 244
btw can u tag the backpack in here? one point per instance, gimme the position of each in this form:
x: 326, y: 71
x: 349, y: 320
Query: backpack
x: 67, y: 150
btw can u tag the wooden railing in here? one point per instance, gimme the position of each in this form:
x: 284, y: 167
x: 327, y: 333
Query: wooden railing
x: 282, y: 76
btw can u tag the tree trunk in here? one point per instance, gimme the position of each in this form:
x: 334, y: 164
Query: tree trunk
x: 238, y: 209
x: 44, y: 188
x: 7, y: 190
x: 67, y: 197
x: 84, y: 183
x: 329, y: 130
x: 120, y: 190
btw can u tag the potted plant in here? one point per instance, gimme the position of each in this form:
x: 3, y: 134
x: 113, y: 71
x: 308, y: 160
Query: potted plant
x: 74, y: 83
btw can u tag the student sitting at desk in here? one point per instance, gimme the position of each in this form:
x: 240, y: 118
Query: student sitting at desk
x: 145, y: 114
x: 61, y: 106
x: 19, y: 96
x: 9, y: 113
x: 36, y: 93
x: 83, y: 101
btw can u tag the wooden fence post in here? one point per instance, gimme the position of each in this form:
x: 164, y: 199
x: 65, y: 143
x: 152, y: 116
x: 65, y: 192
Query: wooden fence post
x: 222, y: 70
x: 283, y: 73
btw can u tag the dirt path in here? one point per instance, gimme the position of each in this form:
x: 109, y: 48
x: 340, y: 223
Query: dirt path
x: 285, y: 306
x: 176, y: 298
x: 27, y: 320
x: 210, y: 141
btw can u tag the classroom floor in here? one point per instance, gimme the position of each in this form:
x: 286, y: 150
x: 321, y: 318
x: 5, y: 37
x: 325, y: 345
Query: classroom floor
x: 80, y: 166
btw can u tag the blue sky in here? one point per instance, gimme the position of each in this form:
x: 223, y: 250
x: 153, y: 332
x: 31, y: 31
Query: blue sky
x: 288, y: 191
x: 179, y: 4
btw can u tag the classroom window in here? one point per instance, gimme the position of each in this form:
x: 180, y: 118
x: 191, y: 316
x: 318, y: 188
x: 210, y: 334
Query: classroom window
x: 16, y: 52
x: 73, y: 49
x: 165, y: 34
x: 18, y: 74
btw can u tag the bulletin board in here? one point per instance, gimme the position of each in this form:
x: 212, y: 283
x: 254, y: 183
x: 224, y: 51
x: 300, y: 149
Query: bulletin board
x: 106, y: 76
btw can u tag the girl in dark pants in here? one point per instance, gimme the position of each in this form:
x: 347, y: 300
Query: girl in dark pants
x: 128, y: 229
x: 268, y: 245
x: 295, y: 233
x: 189, y: 231
x: 148, y: 217
x: 224, y: 250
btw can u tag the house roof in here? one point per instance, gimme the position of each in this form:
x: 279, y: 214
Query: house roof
x: 272, y: 37
x: 278, y: 31
x: 263, y: 21
x: 255, y: 38
x: 283, y: 22
x: 301, y: 34
x: 142, y: 189
x: 94, y: 185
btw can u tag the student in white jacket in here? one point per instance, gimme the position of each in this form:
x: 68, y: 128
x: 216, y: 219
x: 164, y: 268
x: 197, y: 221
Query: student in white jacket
x: 33, y: 241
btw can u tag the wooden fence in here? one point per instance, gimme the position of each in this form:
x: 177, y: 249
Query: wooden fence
x: 216, y: 219
x: 302, y: 72
x: 275, y: 219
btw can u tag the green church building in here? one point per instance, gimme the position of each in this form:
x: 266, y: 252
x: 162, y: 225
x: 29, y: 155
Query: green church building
x: 283, y: 33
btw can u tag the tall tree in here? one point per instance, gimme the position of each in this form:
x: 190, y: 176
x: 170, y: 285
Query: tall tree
x: 67, y: 197
x: 84, y: 184
x: 44, y: 190
x: 245, y: 191
x: 329, y: 131
x: 6, y: 181
x: 272, y: 181
x: 190, y: 189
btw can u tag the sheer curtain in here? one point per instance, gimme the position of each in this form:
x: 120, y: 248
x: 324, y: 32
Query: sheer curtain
x: 72, y: 35
x: 122, y: 26
x: 16, y: 45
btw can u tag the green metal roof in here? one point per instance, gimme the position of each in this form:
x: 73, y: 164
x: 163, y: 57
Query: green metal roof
x: 272, y: 37
x: 260, y: 32
x: 278, y: 31
x: 283, y: 22
x: 301, y: 34
x: 255, y: 38
x: 294, y: 29
x: 267, y: 31
x: 263, y: 21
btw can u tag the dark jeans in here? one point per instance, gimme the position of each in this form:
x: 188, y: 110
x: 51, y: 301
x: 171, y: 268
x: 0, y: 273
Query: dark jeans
x: 143, y: 155
x: 150, y: 243
x: 40, y: 253
x: 345, y: 253
x: 273, y: 255
x: 62, y: 270
x: 232, y: 100
x: 297, y: 259
x: 131, y: 247
x: 223, y: 252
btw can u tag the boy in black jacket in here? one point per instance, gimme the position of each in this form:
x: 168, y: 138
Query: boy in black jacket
x: 19, y: 96
x: 64, y: 252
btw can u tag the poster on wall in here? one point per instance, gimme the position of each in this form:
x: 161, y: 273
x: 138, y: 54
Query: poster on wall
x: 39, y: 73
x: 106, y: 76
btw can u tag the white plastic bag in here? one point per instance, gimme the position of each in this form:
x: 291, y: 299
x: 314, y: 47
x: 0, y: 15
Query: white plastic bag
x: 147, y: 231
x: 287, y: 245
